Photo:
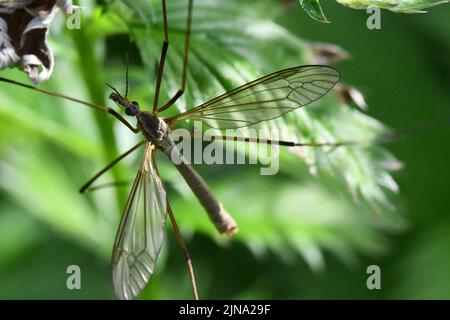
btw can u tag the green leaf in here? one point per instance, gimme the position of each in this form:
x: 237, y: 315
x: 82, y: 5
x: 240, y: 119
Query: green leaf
x: 314, y: 10
x: 251, y: 47
x: 403, y: 6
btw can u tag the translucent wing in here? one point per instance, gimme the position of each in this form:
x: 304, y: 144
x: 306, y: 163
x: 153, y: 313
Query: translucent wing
x: 264, y: 99
x: 141, y: 231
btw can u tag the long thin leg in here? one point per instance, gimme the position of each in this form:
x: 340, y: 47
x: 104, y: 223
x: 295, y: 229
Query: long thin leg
x: 181, y: 243
x: 185, y: 251
x: 276, y: 142
x: 109, y: 166
x: 126, y: 78
x: 89, y: 104
x: 163, y: 58
x: 185, y: 61
x: 114, y: 184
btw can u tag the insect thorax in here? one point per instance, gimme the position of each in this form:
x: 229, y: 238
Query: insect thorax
x: 155, y: 130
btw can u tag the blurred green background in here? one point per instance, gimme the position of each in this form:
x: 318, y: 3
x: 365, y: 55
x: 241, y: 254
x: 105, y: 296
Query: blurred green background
x: 302, y: 235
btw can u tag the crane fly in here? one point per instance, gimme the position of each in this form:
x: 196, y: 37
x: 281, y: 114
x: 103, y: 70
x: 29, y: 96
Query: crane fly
x: 142, y: 227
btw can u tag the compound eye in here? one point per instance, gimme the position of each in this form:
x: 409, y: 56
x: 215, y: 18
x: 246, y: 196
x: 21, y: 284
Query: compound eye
x: 131, y: 111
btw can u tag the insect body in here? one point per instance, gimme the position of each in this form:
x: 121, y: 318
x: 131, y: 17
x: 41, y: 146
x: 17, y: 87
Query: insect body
x: 134, y: 257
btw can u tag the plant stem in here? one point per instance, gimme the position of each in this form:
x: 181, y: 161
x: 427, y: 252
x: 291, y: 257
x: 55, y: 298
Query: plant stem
x: 93, y: 77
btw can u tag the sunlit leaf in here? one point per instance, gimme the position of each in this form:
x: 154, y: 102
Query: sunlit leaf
x: 313, y: 8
